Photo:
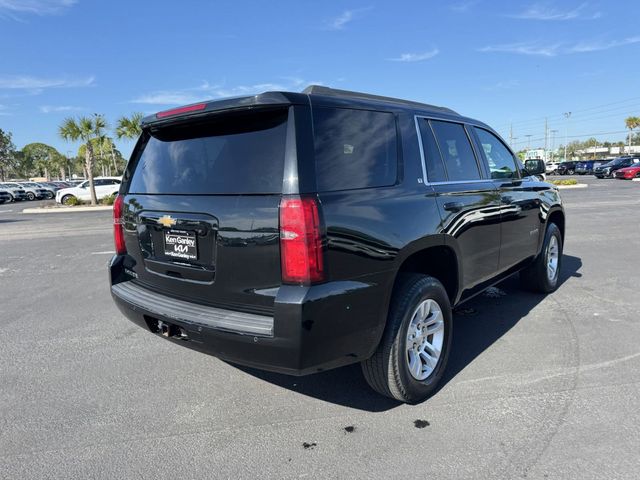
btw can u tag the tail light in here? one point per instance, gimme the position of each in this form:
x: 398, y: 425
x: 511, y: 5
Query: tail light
x: 301, y: 253
x: 118, y: 225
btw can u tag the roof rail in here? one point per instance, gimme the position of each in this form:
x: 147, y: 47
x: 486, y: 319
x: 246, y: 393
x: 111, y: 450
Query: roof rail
x: 334, y: 92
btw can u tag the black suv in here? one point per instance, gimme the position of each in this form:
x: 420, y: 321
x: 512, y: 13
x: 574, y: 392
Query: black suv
x: 606, y: 170
x: 567, y: 168
x: 299, y: 232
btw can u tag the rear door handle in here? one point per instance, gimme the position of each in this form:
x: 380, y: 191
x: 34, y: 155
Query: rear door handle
x: 453, y: 206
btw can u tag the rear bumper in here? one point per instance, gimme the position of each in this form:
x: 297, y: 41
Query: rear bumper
x: 312, y: 328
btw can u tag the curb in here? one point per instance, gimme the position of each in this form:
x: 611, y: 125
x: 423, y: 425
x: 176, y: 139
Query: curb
x: 98, y: 208
x: 579, y: 185
x: 635, y: 179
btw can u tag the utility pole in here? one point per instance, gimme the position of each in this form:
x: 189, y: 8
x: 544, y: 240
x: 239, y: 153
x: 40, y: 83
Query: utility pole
x: 566, y: 134
x: 529, y: 141
x: 553, y: 141
x: 511, y: 135
x: 546, y: 134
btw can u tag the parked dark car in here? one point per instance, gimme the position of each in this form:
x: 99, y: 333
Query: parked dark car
x: 608, y: 169
x: 54, y: 186
x: 5, y: 196
x: 586, y: 167
x: 567, y: 168
x: 299, y: 232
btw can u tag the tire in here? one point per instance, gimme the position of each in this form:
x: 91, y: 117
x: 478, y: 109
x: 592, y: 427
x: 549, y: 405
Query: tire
x: 570, y: 172
x: 11, y: 199
x: 50, y: 196
x: 31, y: 196
x: 388, y: 371
x: 538, y: 276
x: 65, y: 199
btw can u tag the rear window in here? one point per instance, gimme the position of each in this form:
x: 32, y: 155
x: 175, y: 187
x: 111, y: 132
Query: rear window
x: 354, y: 149
x: 239, y: 154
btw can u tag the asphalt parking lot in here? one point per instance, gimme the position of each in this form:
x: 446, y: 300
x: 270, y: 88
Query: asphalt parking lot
x: 537, y: 387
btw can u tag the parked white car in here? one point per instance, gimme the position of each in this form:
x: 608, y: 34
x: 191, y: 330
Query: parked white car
x: 105, y: 186
x: 551, y: 167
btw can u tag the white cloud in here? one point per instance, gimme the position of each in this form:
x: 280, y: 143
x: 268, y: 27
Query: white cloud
x: 464, y: 7
x: 552, y: 50
x: 341, y: 21
x: 11, y: 8
x: 546, y: 12
x: 524, y: 49
x: 416, y: 57
x: 207, y: 91
x: 59, y: 108
x: 503, y: 85
x: 596, y: 46
x: 26, y: 82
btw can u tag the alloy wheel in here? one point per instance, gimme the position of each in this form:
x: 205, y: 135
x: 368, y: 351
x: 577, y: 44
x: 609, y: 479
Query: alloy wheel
x: 553, y: 257
x: 425, y: 338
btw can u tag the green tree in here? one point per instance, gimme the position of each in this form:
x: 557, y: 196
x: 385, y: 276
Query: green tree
x: 108, y: 158
x: 85, y: 129
x: 129, y: 127
x: 44, y: 159
x: 7, y: 154
x: 631, y: 123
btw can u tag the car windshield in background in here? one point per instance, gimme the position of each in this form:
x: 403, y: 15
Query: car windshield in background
x: 242, y: 154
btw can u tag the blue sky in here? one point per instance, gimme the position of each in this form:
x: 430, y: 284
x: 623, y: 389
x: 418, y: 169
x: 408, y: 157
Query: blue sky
x: 499, y: 61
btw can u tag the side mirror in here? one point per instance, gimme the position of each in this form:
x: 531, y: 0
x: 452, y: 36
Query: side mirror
x: 534, y: 167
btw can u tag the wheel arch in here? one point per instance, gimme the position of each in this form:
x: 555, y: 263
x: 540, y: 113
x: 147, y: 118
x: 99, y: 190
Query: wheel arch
x: 436, y: 258
x: 557, y: 216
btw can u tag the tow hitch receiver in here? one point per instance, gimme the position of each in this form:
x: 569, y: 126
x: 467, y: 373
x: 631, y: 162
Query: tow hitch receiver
x: 165, y: 329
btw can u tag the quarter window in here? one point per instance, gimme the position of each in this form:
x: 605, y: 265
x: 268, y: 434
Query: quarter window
x: 354, y: 148
x: 459, y: 160
x: 501, y: 162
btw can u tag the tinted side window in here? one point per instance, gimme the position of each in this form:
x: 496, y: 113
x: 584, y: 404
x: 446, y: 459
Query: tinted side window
x: 99, y: 183
x: 456, y: 150
x: 354, y: 148
x: 501, y: 162
x: 433, y: 159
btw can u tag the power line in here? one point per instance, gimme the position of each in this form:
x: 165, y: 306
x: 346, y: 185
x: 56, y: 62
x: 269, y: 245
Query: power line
x: 575, y: 136
x: 589, y: 109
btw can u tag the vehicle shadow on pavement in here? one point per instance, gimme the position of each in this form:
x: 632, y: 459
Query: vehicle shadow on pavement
x: 481, y: 321
x: 478, y: 324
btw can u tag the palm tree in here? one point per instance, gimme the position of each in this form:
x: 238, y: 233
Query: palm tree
x: 129, y: 128
x: 85, y: 129
x: 632, y: 123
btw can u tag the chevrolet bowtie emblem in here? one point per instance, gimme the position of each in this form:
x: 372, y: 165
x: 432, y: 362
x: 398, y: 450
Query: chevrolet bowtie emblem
x: 166, y: 221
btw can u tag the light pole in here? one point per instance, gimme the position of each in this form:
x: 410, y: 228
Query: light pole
x: 566, y: 134
x: 553, y: 141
